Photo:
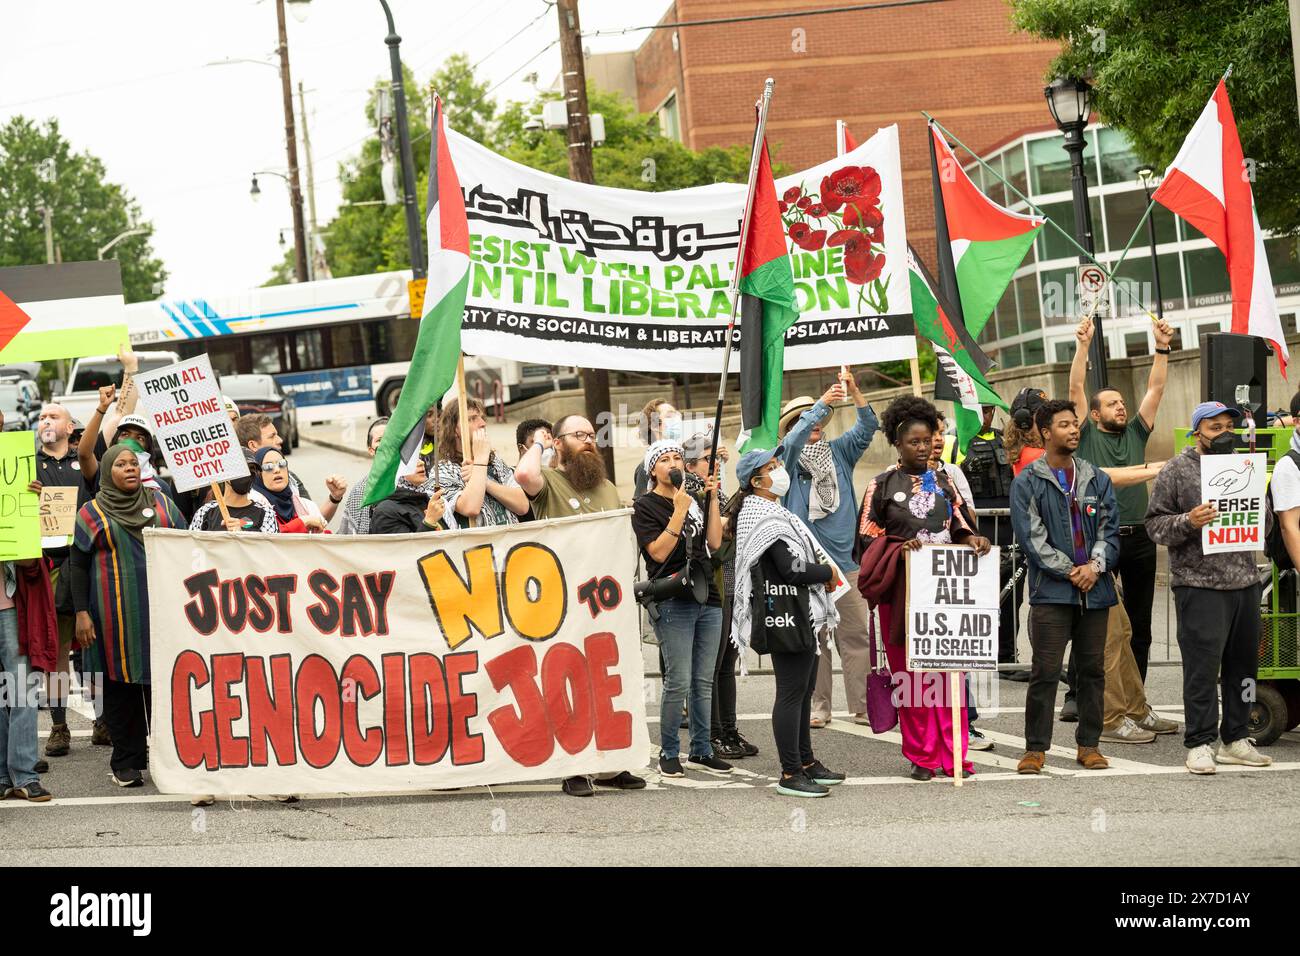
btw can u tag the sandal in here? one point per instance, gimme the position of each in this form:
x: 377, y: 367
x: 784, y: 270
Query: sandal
x: 817, y: 723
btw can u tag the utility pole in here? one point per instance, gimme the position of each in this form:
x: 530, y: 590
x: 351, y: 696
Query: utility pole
x: 595, y: 381
x: 291, y: 147
x: 311, y: 185
x: 1294, y: 6
x: 49, y: 234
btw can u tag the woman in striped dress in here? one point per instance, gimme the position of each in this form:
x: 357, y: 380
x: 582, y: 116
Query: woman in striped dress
x: 111, y: 597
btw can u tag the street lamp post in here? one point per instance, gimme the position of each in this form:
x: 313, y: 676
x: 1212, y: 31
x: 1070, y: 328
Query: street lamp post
x: 414, y: 241
x: 1147, y: 177
x: 126, y: 235
x: 1069, y: 99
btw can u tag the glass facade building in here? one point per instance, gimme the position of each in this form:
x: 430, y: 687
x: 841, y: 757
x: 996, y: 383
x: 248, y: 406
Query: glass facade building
x: 1034, y: 322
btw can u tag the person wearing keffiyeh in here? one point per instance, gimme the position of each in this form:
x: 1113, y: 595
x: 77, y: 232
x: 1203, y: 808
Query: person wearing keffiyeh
x: 822, y: 496
x: 784, y: 608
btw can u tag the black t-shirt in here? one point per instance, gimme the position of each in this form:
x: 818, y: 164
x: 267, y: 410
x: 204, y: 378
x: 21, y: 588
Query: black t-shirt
x: 62, y: 472
x: 251, y: 515
x: 650, y: 516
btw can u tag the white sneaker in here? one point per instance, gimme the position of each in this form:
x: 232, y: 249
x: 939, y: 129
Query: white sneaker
x: 1242, y: 752
x: 1157, y: 724
x: 1128, y: 733
x: 1201, y: 759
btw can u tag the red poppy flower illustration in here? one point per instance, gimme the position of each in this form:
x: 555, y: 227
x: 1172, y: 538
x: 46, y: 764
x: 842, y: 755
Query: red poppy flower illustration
x: 854, y: 242
x: 868, y: 217
x: 804, y: 202
x: 861, y: 268
x: 792, y: 194
x: 817, y: 210
x: 851, y: 186
x: 782, y: 205
x: 806, y: 238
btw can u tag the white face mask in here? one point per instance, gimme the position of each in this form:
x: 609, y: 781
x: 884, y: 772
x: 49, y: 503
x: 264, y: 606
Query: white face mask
x: 672, y: 429
x: 780, y: 479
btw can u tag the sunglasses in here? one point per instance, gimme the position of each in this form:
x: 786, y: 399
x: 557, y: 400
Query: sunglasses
x: 271, y: 467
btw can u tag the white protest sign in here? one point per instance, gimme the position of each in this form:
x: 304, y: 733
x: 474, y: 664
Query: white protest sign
x: 182, y: 404
x: 952, y: 609
x: 1235, y: 485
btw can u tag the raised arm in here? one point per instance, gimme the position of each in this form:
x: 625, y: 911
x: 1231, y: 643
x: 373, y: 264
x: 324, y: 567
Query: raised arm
x: 854, y: 442
x: 86, y: 447
x: 1079, y: 367
x: 529, y: 471
x: 797, y: 436
x: 1164, y: 334
x: 1126, y: 476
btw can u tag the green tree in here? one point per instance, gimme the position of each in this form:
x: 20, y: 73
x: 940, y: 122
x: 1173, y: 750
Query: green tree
x: 1153, y: 65
x: 87, y: 210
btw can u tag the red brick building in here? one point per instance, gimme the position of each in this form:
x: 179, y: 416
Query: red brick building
x: 960, y: 60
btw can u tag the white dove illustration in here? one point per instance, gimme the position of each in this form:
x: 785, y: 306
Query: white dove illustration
x: 1228, y: 483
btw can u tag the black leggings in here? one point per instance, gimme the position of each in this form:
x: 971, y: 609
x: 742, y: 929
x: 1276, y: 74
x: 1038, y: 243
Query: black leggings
x: 724, y: 680
x: 796, y: 676
x: 126, y: 712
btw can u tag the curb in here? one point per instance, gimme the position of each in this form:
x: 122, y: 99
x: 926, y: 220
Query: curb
x: 334, y: 446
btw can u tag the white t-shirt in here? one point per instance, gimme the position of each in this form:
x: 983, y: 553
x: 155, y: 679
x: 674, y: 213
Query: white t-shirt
x: 1285, y: 485
x: 958, y: 478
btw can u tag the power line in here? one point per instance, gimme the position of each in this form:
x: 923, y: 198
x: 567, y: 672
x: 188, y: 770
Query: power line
x: 853, y: 8
x: 501, y: 46
x: 511, y: 74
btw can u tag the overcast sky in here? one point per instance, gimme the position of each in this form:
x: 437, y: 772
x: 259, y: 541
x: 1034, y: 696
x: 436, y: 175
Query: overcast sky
x: 127, y: 81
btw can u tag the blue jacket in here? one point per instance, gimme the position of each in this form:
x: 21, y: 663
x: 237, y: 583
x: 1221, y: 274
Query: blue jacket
x: 1040, y: 515
x: 837, y: 531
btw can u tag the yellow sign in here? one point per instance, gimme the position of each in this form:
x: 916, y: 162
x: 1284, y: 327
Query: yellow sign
x: 415, y: 292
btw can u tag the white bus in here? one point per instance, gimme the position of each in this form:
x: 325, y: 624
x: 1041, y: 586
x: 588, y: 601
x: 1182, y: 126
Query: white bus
x: 340, y: 347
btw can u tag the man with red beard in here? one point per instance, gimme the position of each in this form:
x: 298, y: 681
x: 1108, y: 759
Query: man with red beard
x: 576, y: 485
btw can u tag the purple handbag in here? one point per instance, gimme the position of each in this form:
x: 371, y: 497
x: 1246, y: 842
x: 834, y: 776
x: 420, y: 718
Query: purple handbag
x: 881, y: 712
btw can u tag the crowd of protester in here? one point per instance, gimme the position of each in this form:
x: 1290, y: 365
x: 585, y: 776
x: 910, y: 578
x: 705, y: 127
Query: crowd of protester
x: 789, y: 564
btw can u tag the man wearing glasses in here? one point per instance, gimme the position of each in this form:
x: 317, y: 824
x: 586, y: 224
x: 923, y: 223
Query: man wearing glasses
x: 577, y: 485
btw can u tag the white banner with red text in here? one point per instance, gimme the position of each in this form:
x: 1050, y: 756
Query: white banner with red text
x: 423, y: 661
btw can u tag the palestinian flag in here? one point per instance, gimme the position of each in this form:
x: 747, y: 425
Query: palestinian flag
x: 437, y: 345
x: 67, y: 310
x: 962, y: 363
x: 767, y: 310
x: 981, y: 244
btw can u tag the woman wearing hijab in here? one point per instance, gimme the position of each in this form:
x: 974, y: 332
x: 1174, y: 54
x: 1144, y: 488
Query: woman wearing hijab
x: 783, y: 607
x: 912, y: 504
x: 293, y: 514
x: 111, y: 597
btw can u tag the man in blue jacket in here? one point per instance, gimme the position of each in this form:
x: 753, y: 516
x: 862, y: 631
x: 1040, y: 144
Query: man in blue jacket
x: 1067, y: 522
x: 822, y: 495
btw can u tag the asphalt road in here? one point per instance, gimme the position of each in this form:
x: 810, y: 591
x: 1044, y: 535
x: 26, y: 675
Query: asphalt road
x: 1146, y: 810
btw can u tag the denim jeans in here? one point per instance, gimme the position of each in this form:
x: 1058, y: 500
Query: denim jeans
x: 688, y: 638
x: 18, y: 743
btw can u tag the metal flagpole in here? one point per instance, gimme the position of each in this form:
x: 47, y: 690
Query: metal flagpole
x: 755, y: 154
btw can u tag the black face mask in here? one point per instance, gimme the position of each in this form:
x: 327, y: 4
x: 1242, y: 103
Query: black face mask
x: 241, y: 486
x: 1224, y: 444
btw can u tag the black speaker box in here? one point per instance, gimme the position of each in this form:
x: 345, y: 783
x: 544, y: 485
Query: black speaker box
x: 1234, y: 370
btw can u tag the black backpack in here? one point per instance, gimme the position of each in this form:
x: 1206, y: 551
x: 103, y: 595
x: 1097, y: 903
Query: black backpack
x: 1274, y: 543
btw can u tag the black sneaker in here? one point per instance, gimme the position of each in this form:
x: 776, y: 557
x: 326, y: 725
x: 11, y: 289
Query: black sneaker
x: 723, y: 747
x: 578, y: 787
x: 33, y: 792
x: 921, y: 773
x: 1019, y: 677
x: 976, y: 740
x: 743, y: 744
x: 798, y: 785
x: 41, y: 766
x: 710, y: 763
x: 671, y: 767
x: 127, y: 778
x: 817, y: 773
x: 1070, y: 711
x: 624, y: 781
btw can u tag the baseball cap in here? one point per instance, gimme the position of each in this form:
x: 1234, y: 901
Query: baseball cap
x: 1209, y: 410
x: 751, y: 461
x: 135, y: 421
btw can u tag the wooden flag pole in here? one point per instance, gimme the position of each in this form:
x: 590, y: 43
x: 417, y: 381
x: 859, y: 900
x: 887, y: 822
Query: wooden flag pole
x: 755, y: 154
x: 465, y: 438
x: 916, y: 377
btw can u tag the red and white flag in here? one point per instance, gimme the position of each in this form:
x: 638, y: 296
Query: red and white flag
x: 1208, y: 184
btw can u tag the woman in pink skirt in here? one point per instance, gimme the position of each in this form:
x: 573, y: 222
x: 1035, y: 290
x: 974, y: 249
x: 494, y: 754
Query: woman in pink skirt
x: 915, y: 505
